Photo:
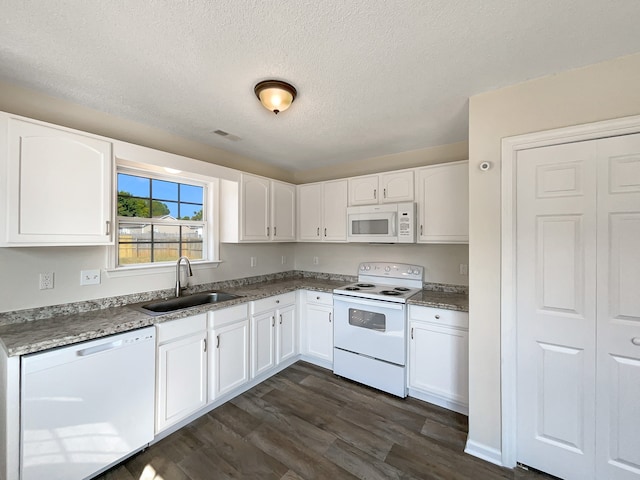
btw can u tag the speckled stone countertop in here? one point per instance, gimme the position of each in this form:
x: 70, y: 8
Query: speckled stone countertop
x: 34, y: 330
x: 436, y: 299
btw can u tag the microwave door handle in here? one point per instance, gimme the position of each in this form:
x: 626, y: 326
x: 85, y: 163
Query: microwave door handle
x: 394, y: 224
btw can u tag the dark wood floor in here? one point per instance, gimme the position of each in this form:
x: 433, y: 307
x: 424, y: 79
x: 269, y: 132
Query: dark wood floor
x: 306, y: 423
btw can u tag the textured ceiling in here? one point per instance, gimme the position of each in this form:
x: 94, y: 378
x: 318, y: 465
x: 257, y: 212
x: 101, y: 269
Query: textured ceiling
x: 374, y: 76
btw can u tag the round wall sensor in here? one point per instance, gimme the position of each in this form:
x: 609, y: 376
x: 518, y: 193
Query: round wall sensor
x: 484, y: 166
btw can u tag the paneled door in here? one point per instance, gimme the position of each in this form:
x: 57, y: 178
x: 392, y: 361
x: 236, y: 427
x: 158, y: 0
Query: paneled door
x: 578, y: 308
x: 556, y: 308
x: 618, y: 394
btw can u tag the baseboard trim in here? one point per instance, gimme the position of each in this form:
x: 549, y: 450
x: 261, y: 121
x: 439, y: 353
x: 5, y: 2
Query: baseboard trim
x: 489, y: 454
x: 440, y: 401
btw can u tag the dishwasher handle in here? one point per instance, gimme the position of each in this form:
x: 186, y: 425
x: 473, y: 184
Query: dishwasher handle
x: 85, y: 352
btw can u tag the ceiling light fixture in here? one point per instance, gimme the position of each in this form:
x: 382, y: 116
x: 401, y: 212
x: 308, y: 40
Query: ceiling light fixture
x: 275, y: 95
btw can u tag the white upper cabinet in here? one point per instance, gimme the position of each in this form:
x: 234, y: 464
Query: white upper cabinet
x: 443, y: 203
x: 283, y: 212
x: 257, y: 209
x: 390, y: 187
x: 322, y: 210
x: 58, y: 185
x: 254, y: 213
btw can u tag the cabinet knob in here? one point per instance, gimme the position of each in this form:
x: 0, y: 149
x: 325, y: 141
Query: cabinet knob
x: 267, y: 231
x: 420, y: 229
x: 273, y: 321
x: 411, y: 333
x: 280, y: 319
x: 205, y: 344
x: 108, y: 228
x: 384, y: 193
x: 317, y: 298
x: 325, y: 231
x: 274, y: 231
x: 329, y: 317
x: 375, y: 193
x: 636, y: 341
x: 437, y: 317
x: 218, y: 341
x: 318, y: 232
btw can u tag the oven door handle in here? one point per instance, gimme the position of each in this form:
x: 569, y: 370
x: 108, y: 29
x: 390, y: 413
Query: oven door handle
x: 369, y: 303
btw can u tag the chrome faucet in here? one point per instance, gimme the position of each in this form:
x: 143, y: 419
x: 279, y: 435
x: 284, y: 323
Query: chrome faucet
x: 179, y: 287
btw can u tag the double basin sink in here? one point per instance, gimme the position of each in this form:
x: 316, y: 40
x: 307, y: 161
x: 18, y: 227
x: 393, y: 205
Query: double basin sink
x: 161, y: 307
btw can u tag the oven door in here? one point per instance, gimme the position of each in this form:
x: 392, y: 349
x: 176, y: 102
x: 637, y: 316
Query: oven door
x: 370, y: 327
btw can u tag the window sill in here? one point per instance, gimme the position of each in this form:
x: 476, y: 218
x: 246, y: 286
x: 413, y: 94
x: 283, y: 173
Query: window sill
x: 136, y: 270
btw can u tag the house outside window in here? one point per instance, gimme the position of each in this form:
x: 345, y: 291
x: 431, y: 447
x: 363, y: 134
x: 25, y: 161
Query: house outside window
x: 159, y: 220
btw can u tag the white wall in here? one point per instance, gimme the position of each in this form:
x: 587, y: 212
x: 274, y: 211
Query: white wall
x: 20, y: 268
x: 598, y: 92
x: 441, y: 262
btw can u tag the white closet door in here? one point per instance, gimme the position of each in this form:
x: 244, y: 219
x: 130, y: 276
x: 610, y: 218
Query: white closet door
x: 556, y: 297
x: 618, y: 397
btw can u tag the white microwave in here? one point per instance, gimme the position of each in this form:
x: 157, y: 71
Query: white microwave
x: 391, y: 223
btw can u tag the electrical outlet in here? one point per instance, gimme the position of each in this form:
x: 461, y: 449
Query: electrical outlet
x: 464, y: 269
x: 254, y: 261
x: 89, y: 277
x: 46, y: 280
x: 315, y: 261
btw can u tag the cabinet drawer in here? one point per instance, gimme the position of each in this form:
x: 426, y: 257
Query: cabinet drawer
x: 174, y: 329
x: 323, y: 298
x: 217, y: 318
x: 440, y: 316
x: 270, y: 303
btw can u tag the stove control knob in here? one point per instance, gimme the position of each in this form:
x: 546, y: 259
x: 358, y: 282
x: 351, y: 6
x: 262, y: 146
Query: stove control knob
x: 367, y: 267
x: 387, y: 269
x: 416, y: 272
x: 363, y: 267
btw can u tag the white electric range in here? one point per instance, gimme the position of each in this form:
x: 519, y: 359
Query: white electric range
x: 370, y: 326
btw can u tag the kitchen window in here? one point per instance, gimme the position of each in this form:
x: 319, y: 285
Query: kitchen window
x: 159, y: 219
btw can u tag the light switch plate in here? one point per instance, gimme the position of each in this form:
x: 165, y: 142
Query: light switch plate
x: 89, y: 277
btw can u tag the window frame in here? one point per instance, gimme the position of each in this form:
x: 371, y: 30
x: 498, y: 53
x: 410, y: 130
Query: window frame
x: 210, y: 243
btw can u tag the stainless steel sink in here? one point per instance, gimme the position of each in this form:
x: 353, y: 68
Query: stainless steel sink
x: 160, y: 307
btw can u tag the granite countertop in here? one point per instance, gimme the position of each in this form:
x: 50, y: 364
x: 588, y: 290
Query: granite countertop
x: 447, y: 300
x: 21, y: 337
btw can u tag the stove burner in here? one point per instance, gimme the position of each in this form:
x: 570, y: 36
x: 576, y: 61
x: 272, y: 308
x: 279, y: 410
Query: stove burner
x: 392, y: 293
x: 365, y: 285
x: 351, y: 288
x: 401, y: 289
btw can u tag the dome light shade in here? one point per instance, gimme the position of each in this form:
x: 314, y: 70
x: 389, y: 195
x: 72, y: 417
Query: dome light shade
x: 275, y: 95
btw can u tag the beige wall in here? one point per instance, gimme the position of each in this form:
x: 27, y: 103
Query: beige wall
x: 21, y: 266
x: 414, y: 158
x: 441, y: 262
x: 597, y: 92
x: 32, y: 104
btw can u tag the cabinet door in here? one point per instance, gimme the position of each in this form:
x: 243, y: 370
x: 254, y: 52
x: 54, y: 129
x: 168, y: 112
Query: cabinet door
x: 181, y: 379
x: 283, y: 212
x: 229, y: 358
x: 263, y: 342
x: 438, y: 361
x: 319, y: 332
x: 255, y: 208
x: 310, y: 212
x: 396, y: 187
x: 59, y: 186
x: 286, y: 333
x: 443, y: 203
x: 363, y: 190
x: 334, y: 211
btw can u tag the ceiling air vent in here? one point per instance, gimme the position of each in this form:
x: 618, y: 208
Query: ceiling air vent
x: 227, y: 135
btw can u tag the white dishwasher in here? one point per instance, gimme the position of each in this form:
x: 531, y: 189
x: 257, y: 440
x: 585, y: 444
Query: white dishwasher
x: 86, y: 406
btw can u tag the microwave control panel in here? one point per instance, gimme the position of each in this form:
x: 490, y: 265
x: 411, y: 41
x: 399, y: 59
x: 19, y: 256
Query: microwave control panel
x: 406, y: 222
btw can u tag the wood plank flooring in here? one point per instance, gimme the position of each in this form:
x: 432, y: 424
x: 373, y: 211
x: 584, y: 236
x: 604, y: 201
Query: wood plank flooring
x: 306, y: 423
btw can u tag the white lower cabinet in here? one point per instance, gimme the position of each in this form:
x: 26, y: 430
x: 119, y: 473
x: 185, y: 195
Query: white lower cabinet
x: 317, y: 337
x: 229, y: 350
x: 181, y: 370
x: 273, y: 332
x: 439, y: 357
